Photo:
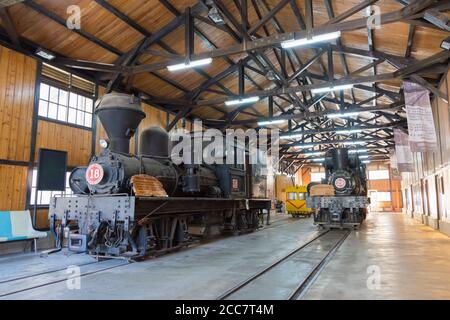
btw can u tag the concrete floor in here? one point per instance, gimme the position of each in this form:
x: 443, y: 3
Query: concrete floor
x: 410, y: 261
x: 413, y: 260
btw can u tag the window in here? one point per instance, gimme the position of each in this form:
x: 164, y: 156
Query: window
x: 44, y: 197
x: 302, y: 196
x: 379, y: 175
x: 292, y: 196
x: 317, y: 176
x: 383, y: 196
x: 62, y: 105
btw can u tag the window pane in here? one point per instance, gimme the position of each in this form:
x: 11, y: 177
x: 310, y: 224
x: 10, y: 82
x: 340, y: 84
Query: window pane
x: 34, y: 179
x: 80, y: 118
x: 63, y: 96
x: 33, y: 194
x: 52, y: 110
x: 292, y: 196
x: 72, y: 116
x: 88, y: 120
x: 44, y: 91
x: 81, y: 102
x: 73, y: 100
x: 54, y: 94
x: 89, y: 105
x: 62, y: 113
x: 43, y: 108
x: 46, y: 195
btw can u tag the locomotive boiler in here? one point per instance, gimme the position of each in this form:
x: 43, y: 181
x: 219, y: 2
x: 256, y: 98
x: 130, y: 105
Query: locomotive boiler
x: 341, y: 200
x: 106, y: 217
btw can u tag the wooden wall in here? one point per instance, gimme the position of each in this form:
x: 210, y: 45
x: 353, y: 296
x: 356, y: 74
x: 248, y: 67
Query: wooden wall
x: 17, y: 85
x: 77, y: 142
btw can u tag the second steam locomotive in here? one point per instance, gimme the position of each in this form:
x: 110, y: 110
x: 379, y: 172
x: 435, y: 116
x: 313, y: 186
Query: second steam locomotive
x: 344, y: 202
x: 105, y: 217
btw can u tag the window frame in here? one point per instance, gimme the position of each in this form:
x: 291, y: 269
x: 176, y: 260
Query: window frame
x: 61, y: 86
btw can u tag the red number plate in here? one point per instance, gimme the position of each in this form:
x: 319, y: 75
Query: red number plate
x: 94, y: 174
x: 340, y: 183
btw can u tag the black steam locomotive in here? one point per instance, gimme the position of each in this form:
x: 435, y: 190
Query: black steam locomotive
x: 346, y: 174
x: 106, y: 218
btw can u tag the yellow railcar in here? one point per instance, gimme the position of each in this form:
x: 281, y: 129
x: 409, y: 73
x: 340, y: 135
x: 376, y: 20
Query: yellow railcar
x: 296, y: 202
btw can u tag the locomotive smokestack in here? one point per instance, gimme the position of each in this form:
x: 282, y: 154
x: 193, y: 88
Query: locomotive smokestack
x: 339, y: 157
x: 120, y: 115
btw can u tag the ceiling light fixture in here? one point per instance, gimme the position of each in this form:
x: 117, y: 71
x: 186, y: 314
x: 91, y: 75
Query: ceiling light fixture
x: 352, y: 143
x: 349, y: 131
x: 331, y: 89
x: 291, y: 136
x: 358, y: 151
x: 215, y: 15
x: 314, y: 39
x: 191, y: 64
x: 267, y: 123
x: 242, y: 101
x: 46, y: 54
x: 342, y: 115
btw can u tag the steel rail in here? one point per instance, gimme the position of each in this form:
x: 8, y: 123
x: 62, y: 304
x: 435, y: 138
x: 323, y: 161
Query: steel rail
x: 268, y: 268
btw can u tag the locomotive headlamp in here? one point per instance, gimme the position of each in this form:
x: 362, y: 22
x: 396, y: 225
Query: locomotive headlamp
x: 104, y: 143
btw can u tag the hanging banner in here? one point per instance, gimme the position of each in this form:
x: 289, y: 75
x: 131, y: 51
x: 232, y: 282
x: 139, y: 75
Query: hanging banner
x: 405, y: 161
x: 422, y: 133
x: 395, y: 173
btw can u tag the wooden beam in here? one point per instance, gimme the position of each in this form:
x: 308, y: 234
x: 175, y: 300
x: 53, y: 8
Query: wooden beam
x: 280, y: 5
x: 9, y: 26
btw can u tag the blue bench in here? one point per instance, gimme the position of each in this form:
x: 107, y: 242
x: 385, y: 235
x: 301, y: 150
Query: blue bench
x: 16, y: 226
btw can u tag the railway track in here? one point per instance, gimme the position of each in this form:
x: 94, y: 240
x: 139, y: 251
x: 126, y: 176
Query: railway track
x: 320, y: 248
x: 20, y: 284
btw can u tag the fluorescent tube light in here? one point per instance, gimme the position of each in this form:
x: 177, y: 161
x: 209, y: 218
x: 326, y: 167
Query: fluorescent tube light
x: 366, y: 161
x: 351, y: 143
x: 318, y: 160
x: 291, y: 136
x: 242, y: 101
x: 342, y: 115
x: 331, y: 89
x: 305, y: 146
x: 314, y: 39
x: 318, y: 153
x: 43, y: 53
x: 267, y: 123
x: 348, y: 131
x: 358, y: 151
x: 191, y: 64
x: 364, y: 157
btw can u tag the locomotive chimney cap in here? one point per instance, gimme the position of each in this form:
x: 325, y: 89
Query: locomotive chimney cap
x: 119, y: 100
x: 120, y: 115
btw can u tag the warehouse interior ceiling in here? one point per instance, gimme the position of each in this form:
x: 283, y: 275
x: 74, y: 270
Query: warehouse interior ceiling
x: 129, y: 45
